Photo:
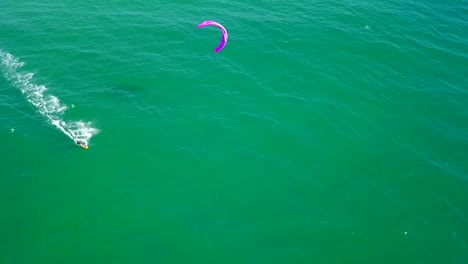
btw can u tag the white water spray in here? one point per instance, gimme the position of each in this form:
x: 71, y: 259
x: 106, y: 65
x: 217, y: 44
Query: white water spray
x: 47, y: 105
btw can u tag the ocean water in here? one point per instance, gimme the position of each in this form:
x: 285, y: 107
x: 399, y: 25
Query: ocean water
x: 324, y: 132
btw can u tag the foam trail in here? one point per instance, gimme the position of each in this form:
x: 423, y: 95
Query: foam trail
x: 48, y: 106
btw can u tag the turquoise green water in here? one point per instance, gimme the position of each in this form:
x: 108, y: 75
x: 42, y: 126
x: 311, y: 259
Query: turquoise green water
x: 324, y: 132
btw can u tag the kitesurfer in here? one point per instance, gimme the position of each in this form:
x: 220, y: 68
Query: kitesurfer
x: 82, y: 144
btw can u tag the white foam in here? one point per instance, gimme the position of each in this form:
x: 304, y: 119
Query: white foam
x: 47, y: 105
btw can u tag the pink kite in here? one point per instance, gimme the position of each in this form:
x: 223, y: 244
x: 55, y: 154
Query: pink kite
x: 225, y: 34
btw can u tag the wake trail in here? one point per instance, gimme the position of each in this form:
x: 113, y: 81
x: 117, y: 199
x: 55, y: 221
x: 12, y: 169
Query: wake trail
x: 47, y: 105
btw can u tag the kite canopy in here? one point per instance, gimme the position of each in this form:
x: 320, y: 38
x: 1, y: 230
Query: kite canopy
x: 225, y: 34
